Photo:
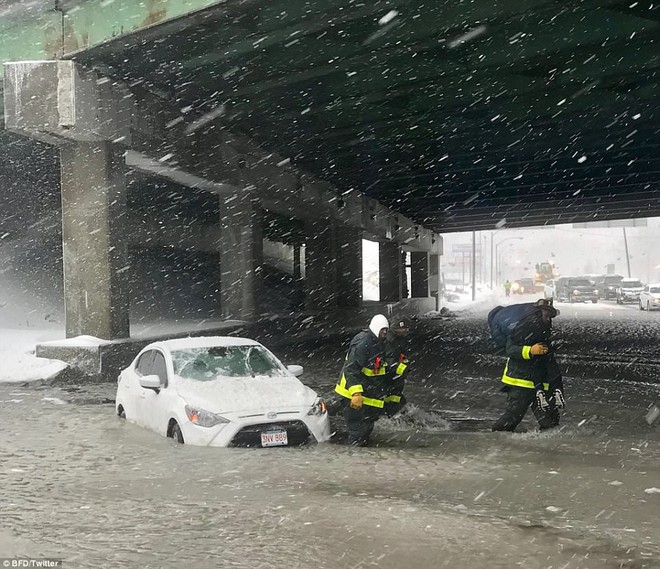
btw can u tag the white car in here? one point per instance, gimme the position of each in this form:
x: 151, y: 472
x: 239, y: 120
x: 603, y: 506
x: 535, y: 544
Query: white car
x: 628, y: 290
x: 649, y: 298
x: 220, y: 391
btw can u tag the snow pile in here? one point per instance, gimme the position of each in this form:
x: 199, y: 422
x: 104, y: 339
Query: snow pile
x: 19, y: 363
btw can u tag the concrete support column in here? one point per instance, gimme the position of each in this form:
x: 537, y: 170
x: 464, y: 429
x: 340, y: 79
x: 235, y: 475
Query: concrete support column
x: 299, y: 283
x: 241, y: 255
x: 95, y: 257
x: 390, y: 270
x: 349, y: 267
x: 320, y: 265
x: 419, y: 274
x: 434, y: 279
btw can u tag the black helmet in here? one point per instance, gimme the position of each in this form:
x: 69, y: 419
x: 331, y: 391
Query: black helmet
x: 399, y: 326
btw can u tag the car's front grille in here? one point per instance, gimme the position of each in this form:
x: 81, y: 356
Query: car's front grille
x: 296, y: 432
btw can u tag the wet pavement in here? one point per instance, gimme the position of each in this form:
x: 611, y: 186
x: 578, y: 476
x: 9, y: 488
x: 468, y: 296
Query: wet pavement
x: 437, y: 489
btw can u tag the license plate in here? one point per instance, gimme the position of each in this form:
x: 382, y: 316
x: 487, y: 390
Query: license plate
x: 274, y: 439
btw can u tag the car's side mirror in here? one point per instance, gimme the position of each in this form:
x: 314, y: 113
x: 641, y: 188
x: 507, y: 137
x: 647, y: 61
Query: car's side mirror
x: 150, y: 382
x: 295, y: 370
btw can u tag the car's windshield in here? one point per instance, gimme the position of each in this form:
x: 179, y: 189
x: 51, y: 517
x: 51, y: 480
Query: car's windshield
x: 579, y: 282
x: 612, y: 280
x: 631, y: 284
x: 205, y: 364
x: 655, y: 289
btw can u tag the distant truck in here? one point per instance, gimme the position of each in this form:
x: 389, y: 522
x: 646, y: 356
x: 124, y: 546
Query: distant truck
x: 628, y: 291
x: 545, y: 271
x: 575, y: 289
x: 607, y: 285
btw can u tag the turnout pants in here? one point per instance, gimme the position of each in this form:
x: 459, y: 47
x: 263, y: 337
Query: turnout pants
x: 360, y: 423
x: 518, y: 400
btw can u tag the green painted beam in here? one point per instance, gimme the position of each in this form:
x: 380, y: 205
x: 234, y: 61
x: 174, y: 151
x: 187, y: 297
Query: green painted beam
x: 83, y: 24
x: 89, y: 23
x: 24, y: 39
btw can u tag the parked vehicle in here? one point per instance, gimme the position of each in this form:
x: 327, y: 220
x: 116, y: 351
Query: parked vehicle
x: 523, y: 286
x: 649, y: 298
x: 575, y: 289
x: 220, y: 391
x: 549, y: 289
x: 628, y: 291
x: 607, y: 285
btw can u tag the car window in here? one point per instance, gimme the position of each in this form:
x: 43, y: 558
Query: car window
x: 655, y: 289
x: 160, y: 368
x: 579, y: 282
x: 612, y: 280
x: 144, y: 365
x: 206, y: 364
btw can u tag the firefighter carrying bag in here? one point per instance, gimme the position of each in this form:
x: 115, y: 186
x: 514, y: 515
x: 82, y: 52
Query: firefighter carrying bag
x: 502, y: 320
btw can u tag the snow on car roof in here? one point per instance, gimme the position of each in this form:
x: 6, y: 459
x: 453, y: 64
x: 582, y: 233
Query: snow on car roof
x: 204, y: 342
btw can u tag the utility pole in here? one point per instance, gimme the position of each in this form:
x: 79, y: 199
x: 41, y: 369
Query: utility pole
x: 625, y: 241
x: 474, y: 265
x: 492, y: 264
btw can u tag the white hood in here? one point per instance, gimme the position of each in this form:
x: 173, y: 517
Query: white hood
x: 246, y: 394
x: 377, y: 323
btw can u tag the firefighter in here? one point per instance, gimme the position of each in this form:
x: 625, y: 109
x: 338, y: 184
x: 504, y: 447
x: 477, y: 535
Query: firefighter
x: 396, y: 355
x: 532, y: 376
x: 361, y: 383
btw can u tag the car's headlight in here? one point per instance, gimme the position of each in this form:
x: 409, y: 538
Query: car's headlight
x: 204, y: 418
x: 576, y: 291
x: 596, y: 291
x: 318, y: 408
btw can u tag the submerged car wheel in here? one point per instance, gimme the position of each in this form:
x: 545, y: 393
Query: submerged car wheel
x: 641, y: 306
x: 121, y: 413
x: 176, y: 434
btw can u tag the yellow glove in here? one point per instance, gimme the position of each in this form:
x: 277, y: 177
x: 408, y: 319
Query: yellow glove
x: 356, y: 401
x: 539, y: 350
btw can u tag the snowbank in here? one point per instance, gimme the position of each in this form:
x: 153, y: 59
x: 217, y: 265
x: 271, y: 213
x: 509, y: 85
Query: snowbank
x: 18, y: 362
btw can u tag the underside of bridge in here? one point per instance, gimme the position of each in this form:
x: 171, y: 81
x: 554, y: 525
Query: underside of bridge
x: 453, y: 116
x: 458, y: 115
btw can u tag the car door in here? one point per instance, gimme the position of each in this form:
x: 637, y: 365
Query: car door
x: 143, y: 367
x: 158, y: 404
x: 644, y: 295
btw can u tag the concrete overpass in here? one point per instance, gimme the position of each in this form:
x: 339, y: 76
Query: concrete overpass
x: 325, y: 122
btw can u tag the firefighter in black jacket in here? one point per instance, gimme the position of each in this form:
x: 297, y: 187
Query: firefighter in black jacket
x: 361, y: 382
x: 532, y: 376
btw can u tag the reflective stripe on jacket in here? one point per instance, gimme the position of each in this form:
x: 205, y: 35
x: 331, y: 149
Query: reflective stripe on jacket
x: 349, y: 392
x: 519, y: 382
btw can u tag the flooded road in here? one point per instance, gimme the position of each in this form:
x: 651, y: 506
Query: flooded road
x: 437, y: 490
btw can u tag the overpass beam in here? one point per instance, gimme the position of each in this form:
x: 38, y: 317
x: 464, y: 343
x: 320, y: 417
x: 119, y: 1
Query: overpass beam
x: 95, y: 251
x: 390, y: 271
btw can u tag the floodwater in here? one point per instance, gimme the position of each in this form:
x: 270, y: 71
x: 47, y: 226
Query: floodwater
x: 437, y: 489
